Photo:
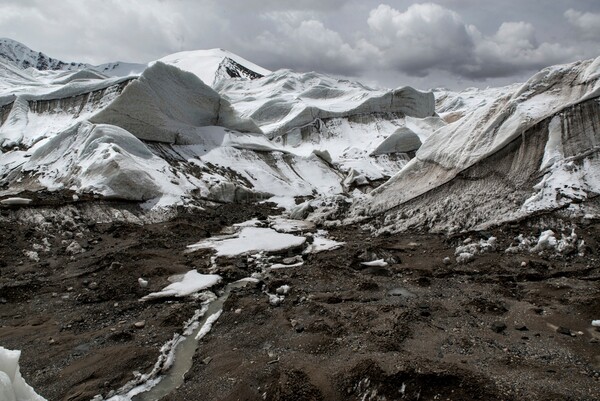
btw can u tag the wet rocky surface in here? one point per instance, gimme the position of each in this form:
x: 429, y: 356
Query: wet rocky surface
x: 505, y: 326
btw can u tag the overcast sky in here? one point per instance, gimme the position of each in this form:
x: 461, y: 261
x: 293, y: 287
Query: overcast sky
x: 451, y: 43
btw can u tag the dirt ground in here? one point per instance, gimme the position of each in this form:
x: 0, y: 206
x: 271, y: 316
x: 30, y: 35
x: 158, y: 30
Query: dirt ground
x: 503, y: 327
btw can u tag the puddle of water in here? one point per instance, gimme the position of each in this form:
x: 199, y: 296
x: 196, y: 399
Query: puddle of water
x: 184, y: 353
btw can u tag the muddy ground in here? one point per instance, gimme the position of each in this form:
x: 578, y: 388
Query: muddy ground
x: 503, y: 327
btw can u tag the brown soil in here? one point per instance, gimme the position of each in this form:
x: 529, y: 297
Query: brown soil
x: 417, y: 329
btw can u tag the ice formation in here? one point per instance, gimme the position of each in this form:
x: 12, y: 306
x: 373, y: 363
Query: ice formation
x: 214, y: 65
x: 210, y: 125
x: 503, y: 136
x: 12, y: 385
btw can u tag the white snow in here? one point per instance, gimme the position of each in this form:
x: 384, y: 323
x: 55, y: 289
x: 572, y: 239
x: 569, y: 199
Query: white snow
x: 283, y: 290
x: 208, y: 324
x: 205, y: 63
x: 284, y: 266
x: 548, y: 242
x: 184, y: 285
x: 466, y: 252
x: 596, y: 323
x: 15, y: 201
x: 275, y: 300
x: 249, y: 240
x: 464, y: 257
x: 375, y: 263
x: 12, y: 385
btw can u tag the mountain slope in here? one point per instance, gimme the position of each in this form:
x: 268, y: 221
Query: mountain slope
x: 23, y: 57
x: 214, y: 65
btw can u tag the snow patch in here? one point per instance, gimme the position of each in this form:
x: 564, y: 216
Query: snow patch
x: 248, y: 240
x: 185, y: 285
x: 322, y: 243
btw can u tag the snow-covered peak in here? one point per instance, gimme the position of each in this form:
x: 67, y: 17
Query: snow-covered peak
x: 23, y: 57
x: 214, y: 65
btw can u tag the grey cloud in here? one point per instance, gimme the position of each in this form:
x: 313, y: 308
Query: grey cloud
x: 587, y: 24
x: 465, y: 41
x: 429, y: 37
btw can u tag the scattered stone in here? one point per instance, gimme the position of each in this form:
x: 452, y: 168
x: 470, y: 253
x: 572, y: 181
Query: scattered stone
x: 140, y: 325
x: 299, y: 328
x: 563, y: 330
x: 206, y: 360
x: 498, y: 327
x: 447, y: 261
x: 521, y: 327
x: 291, y: 261
x: 523, y: 264
x: 74, y: 248
x: 143, y: 283
x: 115, y: 265
x: 93, y: 285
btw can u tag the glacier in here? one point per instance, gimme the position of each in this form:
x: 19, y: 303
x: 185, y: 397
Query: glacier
x: 210, y: 126
x: 492, y: 158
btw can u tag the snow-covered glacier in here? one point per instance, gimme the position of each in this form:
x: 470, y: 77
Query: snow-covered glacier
x: 204, y: 125
x: 518, y: 151
x: 212, y: 126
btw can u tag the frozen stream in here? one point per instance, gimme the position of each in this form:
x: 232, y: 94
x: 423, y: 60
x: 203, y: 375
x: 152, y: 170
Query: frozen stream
x: 185, y: 351
x: 248, y: 239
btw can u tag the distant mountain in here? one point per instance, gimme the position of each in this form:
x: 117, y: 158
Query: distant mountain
x: 23, y: 57
x: 214, y: 65
x: 211, y: 66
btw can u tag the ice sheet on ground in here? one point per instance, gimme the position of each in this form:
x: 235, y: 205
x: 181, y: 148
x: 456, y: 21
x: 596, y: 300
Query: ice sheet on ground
x: 190, y: 283
x: 12, y: 385
x: 248, y: 240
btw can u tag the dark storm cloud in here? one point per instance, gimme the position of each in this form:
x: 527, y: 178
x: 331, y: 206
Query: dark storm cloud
x: 402, y: 41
